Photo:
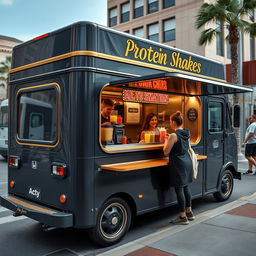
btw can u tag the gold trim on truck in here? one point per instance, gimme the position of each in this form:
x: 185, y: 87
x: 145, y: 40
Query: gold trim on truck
x: 107, y: 57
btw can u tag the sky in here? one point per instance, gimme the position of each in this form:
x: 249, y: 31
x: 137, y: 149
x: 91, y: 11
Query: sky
x: 27, y: 19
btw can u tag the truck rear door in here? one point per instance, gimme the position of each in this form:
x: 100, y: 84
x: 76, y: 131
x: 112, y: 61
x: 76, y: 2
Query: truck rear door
x: 38, y: 163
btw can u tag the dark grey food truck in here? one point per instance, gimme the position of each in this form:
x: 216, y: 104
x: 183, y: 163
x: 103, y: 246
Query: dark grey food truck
x: 68, y: 170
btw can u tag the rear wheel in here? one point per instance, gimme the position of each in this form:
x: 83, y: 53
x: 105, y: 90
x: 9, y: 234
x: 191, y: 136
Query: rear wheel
x: 113, y: 222
x: 226, y: 186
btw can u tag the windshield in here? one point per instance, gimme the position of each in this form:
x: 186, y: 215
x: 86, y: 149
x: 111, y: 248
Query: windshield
x: 4, y: 116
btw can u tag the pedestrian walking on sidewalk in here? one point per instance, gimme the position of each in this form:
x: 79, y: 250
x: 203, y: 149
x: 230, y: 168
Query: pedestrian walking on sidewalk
x: 180, y: 167
x: 250, y: 143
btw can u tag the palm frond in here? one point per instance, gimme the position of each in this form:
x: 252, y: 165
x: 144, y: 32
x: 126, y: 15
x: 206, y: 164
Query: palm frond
x: 247, y: 7
x: 205, y: 15
x: 249, y: 27
x: 207, y: 36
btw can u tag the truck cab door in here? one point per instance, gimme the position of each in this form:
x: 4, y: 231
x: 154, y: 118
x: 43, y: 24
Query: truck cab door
x: 214, y: 141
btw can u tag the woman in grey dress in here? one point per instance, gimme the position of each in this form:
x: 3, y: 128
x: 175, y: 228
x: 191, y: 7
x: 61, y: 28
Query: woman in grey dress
x: 180, y: 166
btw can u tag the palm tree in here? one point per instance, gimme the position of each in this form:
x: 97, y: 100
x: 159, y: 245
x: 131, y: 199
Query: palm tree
x: 230, y: 14
x: 4, y: 70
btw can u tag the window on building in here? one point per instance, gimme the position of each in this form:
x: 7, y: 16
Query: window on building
x: 219, y: 39
x: 153, y: 32
x: 152, y: 6
x: 168, y: 3
x: 125, y: 15
x: 138, y: 32
x: 112, y: 17
x: 169, y: 30
x: 252, y: 48
x: 228, y: 47
x: 138, y: 8
x: 251, y: 16
x: 228, y: 50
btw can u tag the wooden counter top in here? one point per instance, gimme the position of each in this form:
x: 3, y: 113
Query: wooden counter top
x: 137, y: 165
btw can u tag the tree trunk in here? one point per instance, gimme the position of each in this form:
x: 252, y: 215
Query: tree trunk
x: 233, y: 40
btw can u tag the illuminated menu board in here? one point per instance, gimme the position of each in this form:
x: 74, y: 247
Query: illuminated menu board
x: 158, y: 84
x: 145, y: 97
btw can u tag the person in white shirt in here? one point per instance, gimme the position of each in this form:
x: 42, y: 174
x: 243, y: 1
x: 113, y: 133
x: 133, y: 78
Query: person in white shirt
x: 250, y: 144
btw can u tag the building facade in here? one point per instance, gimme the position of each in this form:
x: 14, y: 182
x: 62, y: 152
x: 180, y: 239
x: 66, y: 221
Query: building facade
x: 172, y: 22
x: 6, y: 45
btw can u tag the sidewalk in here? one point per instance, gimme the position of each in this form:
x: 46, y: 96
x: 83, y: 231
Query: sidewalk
x: 229, y: 230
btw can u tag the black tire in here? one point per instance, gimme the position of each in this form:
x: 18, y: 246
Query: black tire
x: 226, y: 186
x: 113, y: 222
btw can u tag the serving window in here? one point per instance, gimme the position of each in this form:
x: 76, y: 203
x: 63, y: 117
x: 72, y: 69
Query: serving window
x: 138, y: 115
x: 37, y: 115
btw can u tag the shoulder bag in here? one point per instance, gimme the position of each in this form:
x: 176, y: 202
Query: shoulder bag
x: 193, y: 157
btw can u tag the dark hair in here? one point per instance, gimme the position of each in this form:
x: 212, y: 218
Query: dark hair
x: 108, y: 102
x: 253, y: 116
x: 177, y: 118
x: 145, y: 126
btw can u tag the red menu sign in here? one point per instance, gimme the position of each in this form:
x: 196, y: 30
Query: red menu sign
x: 145, y: 97
x: 158, y: 84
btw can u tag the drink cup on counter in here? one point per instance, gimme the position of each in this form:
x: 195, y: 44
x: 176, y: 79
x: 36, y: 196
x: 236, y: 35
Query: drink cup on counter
x: 147, y: 137
x: 119, y: 119
x: 162, y: 134
x: 113, y: 116
x: 152, y: 137
x: 157, y: 136
x: 124, y: 140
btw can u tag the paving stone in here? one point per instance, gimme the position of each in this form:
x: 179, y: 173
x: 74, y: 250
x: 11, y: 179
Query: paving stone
x: 246, y: 210
x: 62, y: 252
x: 148, y: 251
x: 234, y: 222
x: 208, y: 240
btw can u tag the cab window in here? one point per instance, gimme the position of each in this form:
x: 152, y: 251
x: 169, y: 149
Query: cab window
x: 215, y: 123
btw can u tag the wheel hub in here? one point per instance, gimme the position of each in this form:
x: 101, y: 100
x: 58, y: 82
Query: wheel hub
x: 114, y: 220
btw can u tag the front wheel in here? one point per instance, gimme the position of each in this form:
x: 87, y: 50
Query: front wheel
x: 226, y: 186
x: 112, y: 223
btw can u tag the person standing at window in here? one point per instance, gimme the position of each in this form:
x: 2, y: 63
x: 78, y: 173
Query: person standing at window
x: 250, y: 144
x: 180, y: 167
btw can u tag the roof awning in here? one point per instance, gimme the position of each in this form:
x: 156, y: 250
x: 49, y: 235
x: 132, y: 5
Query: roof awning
x: 181, y: 84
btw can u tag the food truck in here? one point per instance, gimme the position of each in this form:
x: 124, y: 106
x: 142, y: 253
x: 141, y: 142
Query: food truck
x: 66, y: 170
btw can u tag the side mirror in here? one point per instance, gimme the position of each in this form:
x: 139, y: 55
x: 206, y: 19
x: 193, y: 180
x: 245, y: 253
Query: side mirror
x: 236, y: 116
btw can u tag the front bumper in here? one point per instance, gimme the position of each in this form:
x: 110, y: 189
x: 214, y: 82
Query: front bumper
x: 37, y: 212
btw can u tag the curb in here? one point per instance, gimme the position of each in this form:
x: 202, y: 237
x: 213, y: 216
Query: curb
x: 172, y: 229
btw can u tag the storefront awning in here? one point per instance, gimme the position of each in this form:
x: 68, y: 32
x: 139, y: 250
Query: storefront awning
x: 181, y: 84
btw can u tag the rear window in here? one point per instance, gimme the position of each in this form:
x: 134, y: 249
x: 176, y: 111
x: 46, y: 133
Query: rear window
x: 38, y: 114
x: 4, y: 116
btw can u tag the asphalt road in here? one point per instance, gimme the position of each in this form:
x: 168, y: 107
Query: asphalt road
x: 23, y: 236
